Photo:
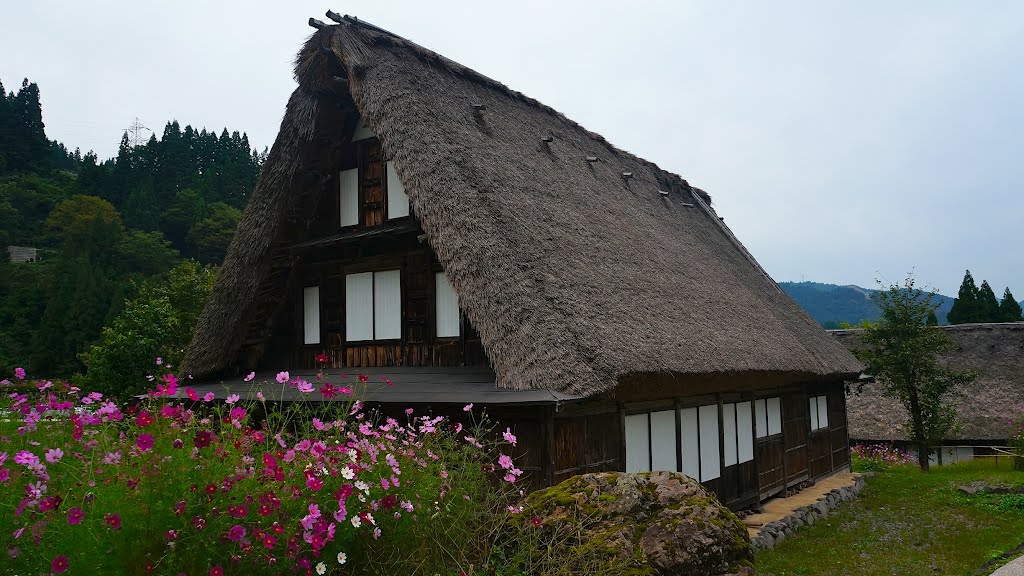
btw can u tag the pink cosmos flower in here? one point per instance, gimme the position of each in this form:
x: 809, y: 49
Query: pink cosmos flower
x: 75, y: 515
x: 52, y: 456
x: 192, y: 394
x: 216, y: 571
x: 232, y: 399
x: 505, y: 461
x: 144, y: 442
x: 282, y: 377
x: 509, y: 436
x: 467, y: 407
x: 26, y: 458
x: 59, y: 564
x: 250, y: 376
x: 208, y: 397
x: 19, y: 373
x: 409, y: 411
x: 159, y: 360
x: 304, y: 387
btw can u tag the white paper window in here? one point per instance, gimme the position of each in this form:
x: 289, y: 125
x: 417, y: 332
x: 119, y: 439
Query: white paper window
x: 638, y: 443
x: 398, y: 202
x: 663, y: 441
x: 689, y: 436
x: 774, y: 416
x: 446, y: 307
x: 362, y: 131
x: 373, y: 306
x: 744, y: 432
x: 359, y: 307
x: 387, y: 305
x: 729, y: 434
x: 819, y: 412
x: 710, y: 462
x: 348, y: 189
x: 761, y: 411
x: 311, y: 315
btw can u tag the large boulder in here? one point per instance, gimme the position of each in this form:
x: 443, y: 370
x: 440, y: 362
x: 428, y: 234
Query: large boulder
x: 653, y: 523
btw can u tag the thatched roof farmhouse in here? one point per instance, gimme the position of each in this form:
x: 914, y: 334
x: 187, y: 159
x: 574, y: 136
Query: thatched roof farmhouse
x: 417, y: 219
x: 995, y: 352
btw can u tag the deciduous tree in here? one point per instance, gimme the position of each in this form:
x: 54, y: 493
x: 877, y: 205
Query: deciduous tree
x: 901, y: 351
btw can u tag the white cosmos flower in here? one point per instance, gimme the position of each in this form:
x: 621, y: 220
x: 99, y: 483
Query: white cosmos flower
x: 321, y: 568
x: 347, y: 473
x: 356, y: 522
x: 342, y: 558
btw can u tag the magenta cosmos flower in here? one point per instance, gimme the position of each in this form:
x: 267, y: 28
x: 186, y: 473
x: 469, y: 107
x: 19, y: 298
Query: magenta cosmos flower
x: 59, y: 564
x: 144, y: 442
x: 113, y: 521
x: 75, y: 515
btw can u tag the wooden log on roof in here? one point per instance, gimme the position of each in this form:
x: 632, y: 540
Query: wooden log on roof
x: 318, y: 24
x: 335, y: 16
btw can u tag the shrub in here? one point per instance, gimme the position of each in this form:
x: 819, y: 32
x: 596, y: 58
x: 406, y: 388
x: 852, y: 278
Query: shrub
x: 194, y: 486
x: 878, y: 457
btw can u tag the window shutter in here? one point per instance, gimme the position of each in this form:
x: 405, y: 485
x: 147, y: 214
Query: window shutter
x: 690, y: 437
x: 359, y: 307
x: 638, y: 443
x: 387, y: 305
x: 710, y: 463
x: 311, y: 315
x: 348, y: 184
x: 446, y: 307
x: 663, y: 441
x: 398, y: 202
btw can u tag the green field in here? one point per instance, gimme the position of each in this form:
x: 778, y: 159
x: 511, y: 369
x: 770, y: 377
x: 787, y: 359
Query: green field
x: 906, y: 522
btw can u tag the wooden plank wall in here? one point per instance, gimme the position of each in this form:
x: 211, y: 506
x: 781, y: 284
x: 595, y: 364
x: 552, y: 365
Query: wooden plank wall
x: 417, y: 346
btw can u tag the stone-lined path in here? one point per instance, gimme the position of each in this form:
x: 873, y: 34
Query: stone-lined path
x: 781, y: 516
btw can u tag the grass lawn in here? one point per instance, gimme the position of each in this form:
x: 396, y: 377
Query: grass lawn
x: 906, y: 522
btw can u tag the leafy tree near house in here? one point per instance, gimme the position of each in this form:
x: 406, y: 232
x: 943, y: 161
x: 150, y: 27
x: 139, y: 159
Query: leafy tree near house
x: 988, y: 306
x: 901, y: 351
x: 158, y: 321
x: 1009, y: 308
x: 965, y: 307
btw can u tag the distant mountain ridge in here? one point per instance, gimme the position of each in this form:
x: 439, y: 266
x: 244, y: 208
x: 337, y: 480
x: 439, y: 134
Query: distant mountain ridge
x: 832, y: 304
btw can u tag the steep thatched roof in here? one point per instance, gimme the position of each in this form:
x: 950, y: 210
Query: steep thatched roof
x: 573, y: 273
x: 994, y: 351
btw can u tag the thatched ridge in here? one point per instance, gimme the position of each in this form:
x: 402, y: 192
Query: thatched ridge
x: 984, y: 408
x: 573, y: 274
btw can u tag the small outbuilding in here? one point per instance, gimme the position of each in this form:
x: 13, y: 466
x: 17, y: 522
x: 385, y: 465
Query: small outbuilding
x: 420, y: 222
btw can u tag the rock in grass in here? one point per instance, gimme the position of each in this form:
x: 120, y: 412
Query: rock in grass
x: 656, y: 523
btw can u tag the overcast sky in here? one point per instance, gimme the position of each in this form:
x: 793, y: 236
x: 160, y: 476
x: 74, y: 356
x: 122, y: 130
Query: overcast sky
x: 842, y: 143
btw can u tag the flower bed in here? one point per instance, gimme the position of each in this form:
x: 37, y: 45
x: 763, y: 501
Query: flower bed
x: 168, y: 486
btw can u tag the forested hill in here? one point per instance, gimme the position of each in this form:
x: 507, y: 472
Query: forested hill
x: 832, y: 304
x: 104, y: 228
